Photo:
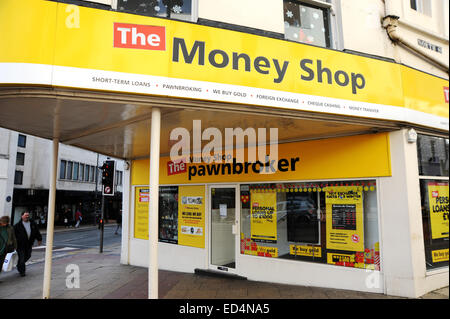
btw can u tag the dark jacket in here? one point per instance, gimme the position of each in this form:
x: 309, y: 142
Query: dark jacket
x: 23, y: 242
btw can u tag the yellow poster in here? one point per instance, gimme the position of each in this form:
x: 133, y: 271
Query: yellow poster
x: 439, y: 255
x: 141, y: 200
x: 191, y: 216
x: 341, y: 259
x: 264, y: 251
x: 301, y: 250
x: 438, y: 203
x: 344, y: 213
x: 263, y: 219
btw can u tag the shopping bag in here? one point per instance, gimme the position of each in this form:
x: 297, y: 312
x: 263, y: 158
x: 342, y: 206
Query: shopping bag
x: 10, y: 261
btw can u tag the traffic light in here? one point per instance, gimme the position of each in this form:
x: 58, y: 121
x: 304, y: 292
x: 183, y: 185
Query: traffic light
x: 108, y: 170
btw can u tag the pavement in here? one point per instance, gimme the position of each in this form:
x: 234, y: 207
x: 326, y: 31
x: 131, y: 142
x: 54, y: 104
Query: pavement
x: 101, y: 276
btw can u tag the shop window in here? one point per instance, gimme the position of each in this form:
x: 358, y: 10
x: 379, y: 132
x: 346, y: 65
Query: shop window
x: 433, y: 173
x: 22, y: 141
x: 306, y: 23
x: 20, y: 158
x: 168, y: 214
x: 325, y: 222
x: 173, y: 9
x: 62, y: 169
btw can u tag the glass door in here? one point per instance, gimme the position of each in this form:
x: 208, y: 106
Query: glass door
x: 223, y: 228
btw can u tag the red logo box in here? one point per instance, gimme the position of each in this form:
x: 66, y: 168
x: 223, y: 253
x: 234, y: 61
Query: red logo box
x: 176, y: 167
x: 137, y: 36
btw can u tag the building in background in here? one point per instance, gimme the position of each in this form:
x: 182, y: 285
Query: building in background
x: 357, y: 88
x: 25, y: 173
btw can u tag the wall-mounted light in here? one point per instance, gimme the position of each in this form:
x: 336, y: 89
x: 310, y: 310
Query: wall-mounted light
x: 411, y: 135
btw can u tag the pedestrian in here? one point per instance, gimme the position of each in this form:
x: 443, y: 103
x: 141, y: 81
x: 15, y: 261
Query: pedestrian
x: 66, y: 217
x: 78, y: 218
x: 119, y: 222
x: 8, y: 241
x: 26, y: 232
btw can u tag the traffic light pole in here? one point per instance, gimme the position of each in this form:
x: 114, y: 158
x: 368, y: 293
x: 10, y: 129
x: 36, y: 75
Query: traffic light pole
x: 102, y: 224
x: 108, y: 170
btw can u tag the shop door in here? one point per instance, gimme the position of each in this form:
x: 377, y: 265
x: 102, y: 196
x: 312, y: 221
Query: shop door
x: 223, y: 228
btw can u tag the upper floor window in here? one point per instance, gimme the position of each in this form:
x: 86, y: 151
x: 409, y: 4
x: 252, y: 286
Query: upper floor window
x: 18, y: 178
x: 422, y: 6
x: 174, y: 9
x: 433, y: 155
x: 306, y: 23
x: 20, y: 158
x: 69, y: 170
x: 62, y: 169
x: 22, y: 141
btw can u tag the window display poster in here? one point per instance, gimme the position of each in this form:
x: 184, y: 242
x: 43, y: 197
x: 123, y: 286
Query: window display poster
x: 438, y: 201
x: 141, y: 200
x: 263, y: 218
x: 439, y: 255
x: 344, y: 215
x: 191, y: 216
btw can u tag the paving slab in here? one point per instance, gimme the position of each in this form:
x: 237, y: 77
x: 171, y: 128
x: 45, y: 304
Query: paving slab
x: 103, y: 277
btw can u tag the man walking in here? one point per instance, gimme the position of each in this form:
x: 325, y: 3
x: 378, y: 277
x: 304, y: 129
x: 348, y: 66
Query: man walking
x: 78, y: 218
x: 26, y: 232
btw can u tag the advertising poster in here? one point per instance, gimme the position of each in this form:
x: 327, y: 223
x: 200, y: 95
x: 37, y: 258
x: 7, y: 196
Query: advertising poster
x: 439, y: 255
x: 142, y: 196
x: 191, y: 216
x: 263, y: 218
x: 341, y: 259
x: 263, y: 251
x: 438, y: 201
x: 344, y: 213
x: 309, y: 251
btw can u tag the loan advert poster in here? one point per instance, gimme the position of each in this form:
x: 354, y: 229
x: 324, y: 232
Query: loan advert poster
x: 344, y: 213
x: 438, y: 199
x: 263, y: 218
x: 141, y: 200
x: 191, y: 216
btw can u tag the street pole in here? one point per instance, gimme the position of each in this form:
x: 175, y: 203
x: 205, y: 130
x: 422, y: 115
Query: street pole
x: 155, y: 136
x: 102, y: 224
x: 50, y: 222
x: 51, y: 208
x: 95, y: 194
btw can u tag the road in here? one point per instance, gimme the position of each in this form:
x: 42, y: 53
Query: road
x: 69, y: 241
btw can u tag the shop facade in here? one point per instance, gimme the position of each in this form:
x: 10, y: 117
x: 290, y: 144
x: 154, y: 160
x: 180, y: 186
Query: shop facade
x: 356, y: 196
x: 334, y: 217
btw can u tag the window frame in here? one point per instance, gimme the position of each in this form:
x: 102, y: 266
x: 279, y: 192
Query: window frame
x: 62, y: 171
x: 424, y: 178
x: 18, y: 173
x: 22, y: 163
x: 194, y: 11
x: 328, y: 20
x: 69, y: 172
x: 23, y: 138
x: 322, y: 240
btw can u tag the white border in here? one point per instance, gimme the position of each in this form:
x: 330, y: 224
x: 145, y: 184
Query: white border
x: 165, y: 86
